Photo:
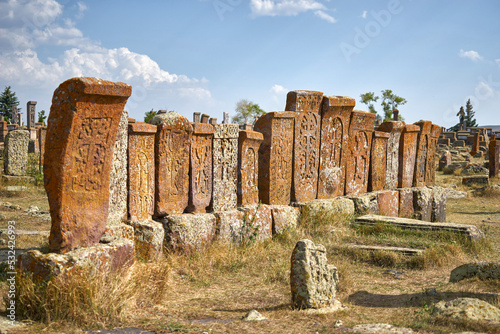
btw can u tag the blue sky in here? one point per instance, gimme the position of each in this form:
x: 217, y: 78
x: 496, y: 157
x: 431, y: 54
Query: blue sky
x: 206, y: 55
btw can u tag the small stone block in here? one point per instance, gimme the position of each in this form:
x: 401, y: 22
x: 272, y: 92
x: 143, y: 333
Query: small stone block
x: 149, y: 237
x: 388, y: 203
x: 304, y: 101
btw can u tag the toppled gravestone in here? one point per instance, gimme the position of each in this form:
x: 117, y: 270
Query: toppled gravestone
x: 481, y: 270
x: 313, y: 282
x: 468, y: 309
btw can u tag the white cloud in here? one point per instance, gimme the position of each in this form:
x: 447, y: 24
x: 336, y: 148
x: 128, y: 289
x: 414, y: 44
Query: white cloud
x: 81, y: 9
x: 364, y: 15
x: 324, y: 16
x: 283, y: 7
x: 278, y: 89
x: 28, y: 13
x: 472, y: 55
x: 483, y: 91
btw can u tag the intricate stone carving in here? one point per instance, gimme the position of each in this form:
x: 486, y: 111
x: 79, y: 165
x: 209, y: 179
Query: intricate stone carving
x: 430, y: 171
x: 248, y: 167
x: 494, y: 152
x: 275, y: 157
x: 422, y: 153
x: 407, y: 152
x: 81, y: 134
x: 394, y: 129
x: 304, y: 101
x: 378, y: 162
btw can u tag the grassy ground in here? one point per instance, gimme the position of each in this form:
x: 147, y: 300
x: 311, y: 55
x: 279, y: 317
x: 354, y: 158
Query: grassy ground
x: 210, y: 291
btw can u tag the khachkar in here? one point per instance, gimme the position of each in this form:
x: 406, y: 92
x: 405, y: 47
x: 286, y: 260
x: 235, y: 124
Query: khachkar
x: 248, y: 167
x: 336, y: 117
x: 378, y: 161
x: 275, y: 157
x: 30, y: 110
x: 422, y: 155
x: 304, y: 101
x: 81, y: 135
x: 172, y: 145
x: 430, y: 171
x: 394, y: 128
x: 16, y: 116
x: 225, y: 164
x: 141, y: 171
x: 360, y: 138
x: 407, y: 153
x: 200, y: 185
x: 494, y: 152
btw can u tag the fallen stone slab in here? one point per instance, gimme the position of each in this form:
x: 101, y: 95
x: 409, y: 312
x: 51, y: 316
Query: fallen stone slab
x: 471, y: 231
x: 468, y: 309
x: 475, y: 180
x: 403, y: 250
x: 126, y: 330
x: 481, y: 270
x: 379, y: 329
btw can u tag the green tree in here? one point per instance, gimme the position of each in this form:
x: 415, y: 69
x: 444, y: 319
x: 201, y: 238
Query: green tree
x: 368, y: 99
x: 148, y: 115
x: 390, y: 101
x: 470, y: 120
x: 41, y: 116
x: 246, y: 112
x: 7, y: 100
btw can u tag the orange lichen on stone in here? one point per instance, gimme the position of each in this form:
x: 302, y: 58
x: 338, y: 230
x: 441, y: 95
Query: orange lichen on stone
x: 407, y: 151
x: 248, y: 167
x: 304, y: 101
x: 378, y: 161
x: 422, y: 156
x: 81, y: 134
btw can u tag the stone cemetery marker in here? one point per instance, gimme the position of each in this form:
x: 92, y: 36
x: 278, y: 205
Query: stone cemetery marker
x: 494, y: 152
x: 475, y: 145
x: 312, y: 281
x: 212, y: 121
x: 275, y: 157
x: 394, y: 129
x: 16, y: 152
x: 407, y: 151
x: 42, y: 132
x: 81, y: 134
x: 378, y: 161
x: 196, y: 117
x: 225, y: 164
x: 172, y: 145
x: 430, y: 171
x: 306, y: 156
x: 3, y: 131
x: 205, y: 118
x: 445, y: 160
x: 15, y: 116
x: 304, y: 101
x: 422, y: 154
x: 360, y: 138
x: 30, y: 109
x: 141, y: 171
x: 226, y: 119
x: 336, y: 117
x: 118, y: 178
x: 248, y: 167
x: 200, y: 185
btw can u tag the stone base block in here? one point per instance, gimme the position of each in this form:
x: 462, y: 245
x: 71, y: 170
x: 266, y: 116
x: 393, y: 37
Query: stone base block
x: 189, y: 232
x: 422, y: 203
x: 115, y: 232
x: 388, y: 203
x: 245, y: 224
x: 405, y: 203
x: 475, y: 180
x: 439, y: 195
x: 321, y: 209
x: 285, y: 218
x: 366, y: 204
x: 149, y: 236
x: 101, y: 258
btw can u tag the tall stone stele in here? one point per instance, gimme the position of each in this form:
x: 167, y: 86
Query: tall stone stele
x: 81, y: 135
x: 407, y: 155
x: 312, y: 281
x: 31, y: 113
x: 248, y: 167
x: 394, y: 128
x: 422, y: 155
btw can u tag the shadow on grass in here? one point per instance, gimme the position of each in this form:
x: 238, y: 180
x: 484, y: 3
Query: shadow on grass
x: 367, y: 299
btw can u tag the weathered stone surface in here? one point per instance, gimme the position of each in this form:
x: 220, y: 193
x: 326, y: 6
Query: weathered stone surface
x: 30, y: 116
x: 247, y: 224
x: 320, y: 209
x: 360, y: 138
x: 422, y: 203
x: 468, y: 309
x: 189, y: 232
x: 439, y: 199
x: 380, y: 329
x: 482, y: 270
x: 32, y: 147
x: 422, y: 154
x: 444, y: 161
x: 253, y: 315
x: 388, y: 203
x: 306, y: 156
x: 275, y: 157
x: 336, y: 117
x: 3, y: 130
x: 475, y: 144
x: 406, y: 203
x: 201, y: 174
x: 474, y: 169
x: 304, y: 101
x: 475, y: 180
x: 494, y: 157
x: 459, y: 143
x: 141, y: 174
x: 15, y: 153
x: 407, y: 154
x: 229, y: 226
x: 148, y: 237
x: 118, y: 192
x: 366, y: 203
x: 312, y: 281
x: 395, y: 129
x: 118, y: 231
x: 97, y: 259
x: 225, y: 164
x: 378, y: 161
x: 471, y: 231
x: 172, y: 146
x: 430, y: 171
x: 248, y: 167
x: 41, y: 135
x: 285, y: 218
x: 81, y: 134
